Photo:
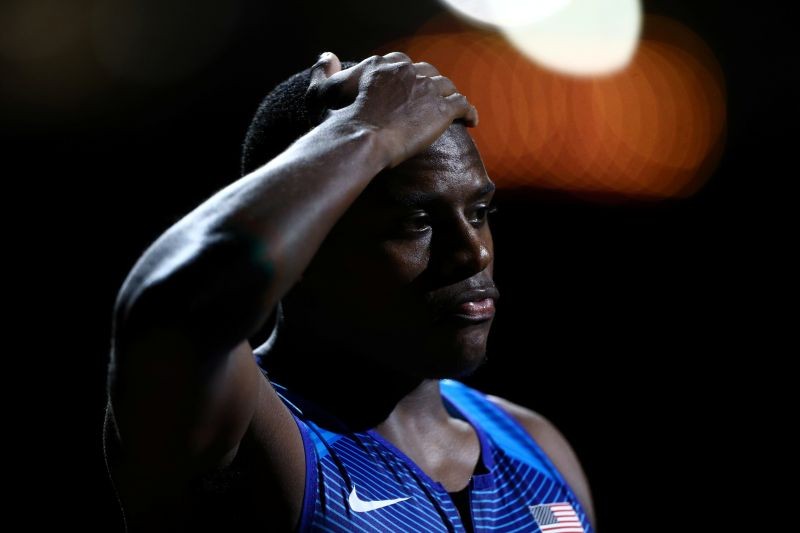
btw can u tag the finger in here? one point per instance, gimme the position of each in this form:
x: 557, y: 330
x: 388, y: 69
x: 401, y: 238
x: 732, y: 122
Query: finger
x: 426, y: 69
x: 397, y: 57
x: 470, y: 120
x: 327, y: 65
x: 347, y: 80
x: 472, y: 117
x: 460, y: 108
x: 444, y: 86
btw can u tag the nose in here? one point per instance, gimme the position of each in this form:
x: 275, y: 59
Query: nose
x: 464, y: 251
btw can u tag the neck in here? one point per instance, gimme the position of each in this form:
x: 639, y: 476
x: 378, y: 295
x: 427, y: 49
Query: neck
x: 418, y: 412
x: 357, y: 390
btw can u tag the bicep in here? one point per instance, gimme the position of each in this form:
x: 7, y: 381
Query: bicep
x: 173, y: 421
x: 174, y: 414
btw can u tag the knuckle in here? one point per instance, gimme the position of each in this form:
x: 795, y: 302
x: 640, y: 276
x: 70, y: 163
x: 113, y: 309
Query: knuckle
x: 405, y: 69
x: 446, y: 82
x: 397, y: 57
x: 393, y: 69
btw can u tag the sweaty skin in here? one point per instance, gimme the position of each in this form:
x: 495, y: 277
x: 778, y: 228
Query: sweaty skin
x: 367, y: 229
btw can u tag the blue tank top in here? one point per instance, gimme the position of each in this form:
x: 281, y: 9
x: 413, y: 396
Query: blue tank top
x: 362, y: 482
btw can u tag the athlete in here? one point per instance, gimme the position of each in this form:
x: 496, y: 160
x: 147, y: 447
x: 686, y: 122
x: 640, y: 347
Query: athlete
x: 357, y: 243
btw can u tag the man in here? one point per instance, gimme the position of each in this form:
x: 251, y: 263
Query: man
x: 364, y: 249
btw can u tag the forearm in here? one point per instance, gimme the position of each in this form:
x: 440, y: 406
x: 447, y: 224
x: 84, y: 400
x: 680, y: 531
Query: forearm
x: 241, y: 250
x: 287, y: 207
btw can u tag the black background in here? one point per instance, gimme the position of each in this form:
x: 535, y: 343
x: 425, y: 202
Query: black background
x: 626, y: 326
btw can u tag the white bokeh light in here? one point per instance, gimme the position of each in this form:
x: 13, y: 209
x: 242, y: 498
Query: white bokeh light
x: 507, y: 13
x: 578, y: 37
x: 588, y: 37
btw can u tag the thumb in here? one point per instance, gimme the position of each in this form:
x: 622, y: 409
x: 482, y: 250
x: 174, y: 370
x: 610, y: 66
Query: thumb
x: 326, y: 66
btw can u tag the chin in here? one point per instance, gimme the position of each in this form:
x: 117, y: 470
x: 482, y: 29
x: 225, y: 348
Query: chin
x: 442, y: 353
x: 457, y: 353
x: 456, y: 362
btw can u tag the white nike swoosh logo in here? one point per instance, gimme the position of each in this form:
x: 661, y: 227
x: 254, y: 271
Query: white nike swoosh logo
x: 360, y: 506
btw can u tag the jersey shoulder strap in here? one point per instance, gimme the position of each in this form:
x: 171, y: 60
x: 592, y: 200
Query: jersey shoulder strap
x: 504, y: 430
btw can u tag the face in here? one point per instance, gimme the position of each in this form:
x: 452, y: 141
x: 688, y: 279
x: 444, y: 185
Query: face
x: 406, y: 276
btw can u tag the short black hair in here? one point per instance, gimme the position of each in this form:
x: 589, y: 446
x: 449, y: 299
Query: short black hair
x: 281, y: 118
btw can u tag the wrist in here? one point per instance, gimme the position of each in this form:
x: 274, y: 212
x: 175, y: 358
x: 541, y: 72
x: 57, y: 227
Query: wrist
x: 375, y: 139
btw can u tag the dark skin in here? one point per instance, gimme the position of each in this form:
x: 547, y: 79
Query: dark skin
x: 383, y: 243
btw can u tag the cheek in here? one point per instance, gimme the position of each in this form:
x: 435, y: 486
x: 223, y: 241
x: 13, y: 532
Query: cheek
x: 489, y: 246
x: 404, y: 261
x: 377, y: 280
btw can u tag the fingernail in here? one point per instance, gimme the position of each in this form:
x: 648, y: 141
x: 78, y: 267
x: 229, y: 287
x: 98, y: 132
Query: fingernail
x: 323, y: 56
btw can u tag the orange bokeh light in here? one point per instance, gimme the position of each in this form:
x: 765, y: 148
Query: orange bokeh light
x: 653, y: 130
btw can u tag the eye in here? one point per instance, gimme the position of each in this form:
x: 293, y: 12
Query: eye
x: 482, y: 212
x: 416, y: 224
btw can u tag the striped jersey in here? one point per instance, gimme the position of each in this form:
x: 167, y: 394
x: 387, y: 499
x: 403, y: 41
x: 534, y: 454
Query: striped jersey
x: 359, y: 481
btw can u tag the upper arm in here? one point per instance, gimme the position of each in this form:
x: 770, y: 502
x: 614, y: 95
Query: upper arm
x: 185, y: 392
x: 557, y: 448
x: 173, y: 414
x: 174, y: 419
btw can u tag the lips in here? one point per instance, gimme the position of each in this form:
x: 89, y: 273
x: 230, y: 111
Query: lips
x: 474, y: 306
x: 477, y: 310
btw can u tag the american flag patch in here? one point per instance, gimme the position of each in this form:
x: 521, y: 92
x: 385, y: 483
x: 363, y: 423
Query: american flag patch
x: 556, y: 518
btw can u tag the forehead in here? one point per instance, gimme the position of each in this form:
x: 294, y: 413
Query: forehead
x: 450, y: 169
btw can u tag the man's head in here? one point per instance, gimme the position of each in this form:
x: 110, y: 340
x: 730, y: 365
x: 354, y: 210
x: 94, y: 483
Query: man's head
x: 392, y: 280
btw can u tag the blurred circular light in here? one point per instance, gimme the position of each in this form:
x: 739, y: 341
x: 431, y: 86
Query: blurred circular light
x: 507, y: 13
x: 653, y: 130
x: 585, y: 37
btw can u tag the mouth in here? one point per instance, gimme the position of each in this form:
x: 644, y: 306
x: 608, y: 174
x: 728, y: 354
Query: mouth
x: 472, y: 307
x: 476, y: 311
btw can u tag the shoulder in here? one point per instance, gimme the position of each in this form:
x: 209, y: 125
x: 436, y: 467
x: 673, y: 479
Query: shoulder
x: 555, y: 445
